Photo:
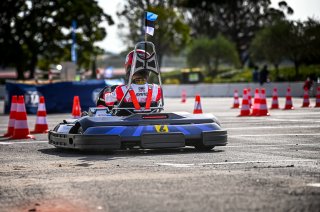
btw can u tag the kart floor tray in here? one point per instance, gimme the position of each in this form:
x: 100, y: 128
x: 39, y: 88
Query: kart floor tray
x: 162, y: 140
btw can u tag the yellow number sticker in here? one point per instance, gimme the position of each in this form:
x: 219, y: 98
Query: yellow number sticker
x: 161, y: 128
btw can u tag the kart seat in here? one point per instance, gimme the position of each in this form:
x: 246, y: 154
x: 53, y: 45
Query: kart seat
x: 100, y: 102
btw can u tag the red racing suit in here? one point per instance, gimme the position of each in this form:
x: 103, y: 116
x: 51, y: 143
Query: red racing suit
x: 147, y: 93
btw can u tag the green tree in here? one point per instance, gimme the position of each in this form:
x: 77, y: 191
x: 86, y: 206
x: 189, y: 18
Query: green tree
x: 237, y: 20
x: 268, y: 44
x: 312, y: 32
x: 293, y: 40
x: 40, y: 29
x: 296, y: 44
x: 198, y: 54
x: 211, y: 52
x: 171, y: 33
x: 303, y: 43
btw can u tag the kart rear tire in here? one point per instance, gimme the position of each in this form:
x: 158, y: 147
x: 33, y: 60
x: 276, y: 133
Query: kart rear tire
x: 203, y: 148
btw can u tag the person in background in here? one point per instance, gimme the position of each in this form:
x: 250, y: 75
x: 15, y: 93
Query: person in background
x: 308, y: 84
x: 264, y: 73
x: 255, y: 74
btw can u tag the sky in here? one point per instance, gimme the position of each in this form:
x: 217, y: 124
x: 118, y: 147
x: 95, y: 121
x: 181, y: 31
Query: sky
x: 112, y: 43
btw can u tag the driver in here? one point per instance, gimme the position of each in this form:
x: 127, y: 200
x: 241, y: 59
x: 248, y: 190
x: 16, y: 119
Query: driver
x: 140, y: 94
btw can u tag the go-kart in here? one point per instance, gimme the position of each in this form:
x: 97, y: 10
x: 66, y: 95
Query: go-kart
x: 147, y: 128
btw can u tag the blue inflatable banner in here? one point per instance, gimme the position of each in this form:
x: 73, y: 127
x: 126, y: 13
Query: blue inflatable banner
x: 58, y: 96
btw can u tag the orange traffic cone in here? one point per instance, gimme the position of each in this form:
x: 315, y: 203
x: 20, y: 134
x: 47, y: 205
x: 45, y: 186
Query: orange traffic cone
x: 12, y: 117
x: 306, y: 101
x: 256, y: 103
x: 236, y: 103
x: 183, y: 96
x: 21, y: 130
x: 197, y: 105
x: 288, y: 105
x: 318, y: 97
x: 263, y: 109
x: 245, y: 109
x: 76, y: 108
x: 41, y: 122
x: 275, y: 102
x: 249, y: 97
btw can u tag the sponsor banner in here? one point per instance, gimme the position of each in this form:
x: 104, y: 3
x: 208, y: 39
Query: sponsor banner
x: 58, y: 96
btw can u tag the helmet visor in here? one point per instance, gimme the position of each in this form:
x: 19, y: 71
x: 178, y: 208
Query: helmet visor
x: 140, y: 77
x: 139, y: 81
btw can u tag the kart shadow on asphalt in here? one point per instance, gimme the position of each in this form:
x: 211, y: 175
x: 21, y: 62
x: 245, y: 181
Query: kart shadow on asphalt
x: 113, y: 155
x: 2, y: 138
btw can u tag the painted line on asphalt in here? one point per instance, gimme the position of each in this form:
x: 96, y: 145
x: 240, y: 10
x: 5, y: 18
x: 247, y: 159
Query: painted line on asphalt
x: 266, y: 145
x: 181, y: 165
x: 187, y: 165
x: 273, y: 113
x: 22, y: 142
x: 294, y: 120
x: 270, y: 135
x: 262, y: 161
x: 314, y: 185
x: 272, y: 127
x: 303, y: 113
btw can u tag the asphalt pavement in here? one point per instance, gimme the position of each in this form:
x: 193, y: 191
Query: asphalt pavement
x: 271, y: 163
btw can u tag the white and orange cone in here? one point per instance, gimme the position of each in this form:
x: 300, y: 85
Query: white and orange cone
x: 21, y: 130
x: 197, y: 105
x: 306, y: 100
x: 183, y: 96
x: 288, y: 104
x: 245, y: 108
x: 236, y: 103
x: 12, y: 117
x: 76, y: 108
x: 275, y: 102
x: 256, y: 103
x: 41, y: 125
x: 318, y: 97
x: 263, y: 108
